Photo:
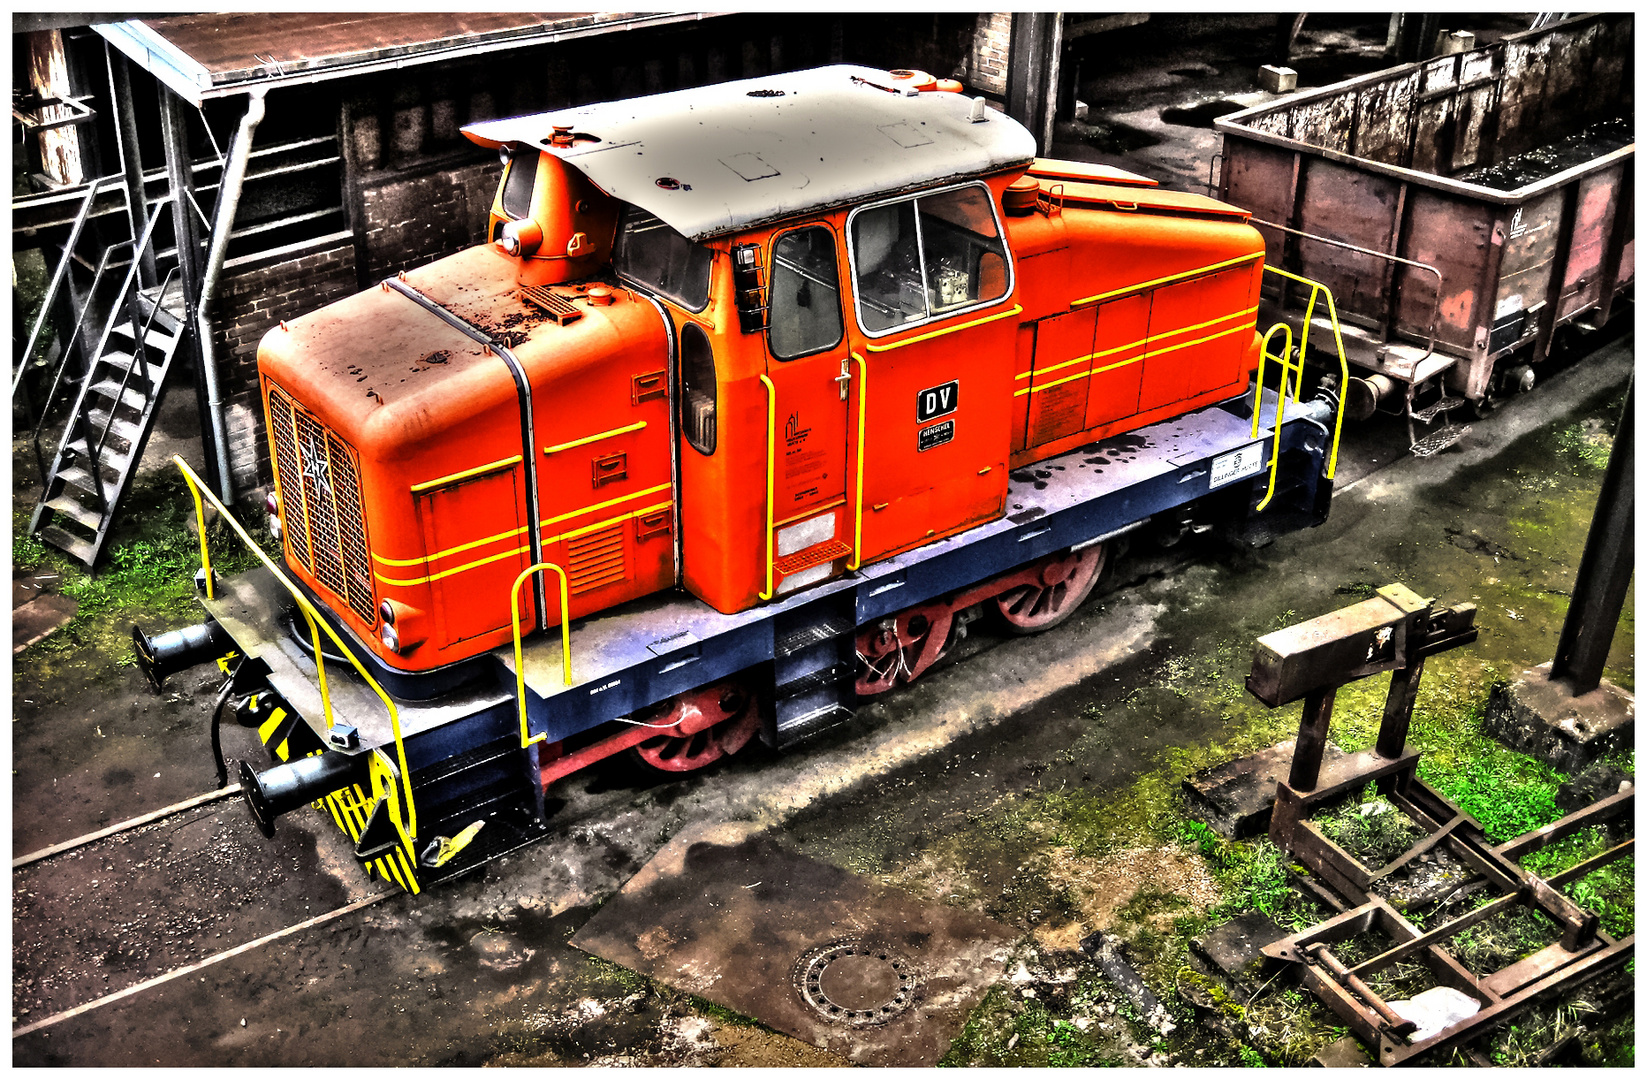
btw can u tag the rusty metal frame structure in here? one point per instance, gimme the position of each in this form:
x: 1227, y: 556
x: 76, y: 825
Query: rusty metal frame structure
x: 1395, y: 631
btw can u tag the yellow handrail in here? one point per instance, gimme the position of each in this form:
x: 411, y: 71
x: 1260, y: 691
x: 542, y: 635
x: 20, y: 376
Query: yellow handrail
x: 771, y: 444
x: 1316, y: 289
x: 565, y: 644
x: 858, y: 502
x: 1285, y: 360
x: 198, y: 489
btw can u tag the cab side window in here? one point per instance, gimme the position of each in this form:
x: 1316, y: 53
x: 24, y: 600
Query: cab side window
x: 805, y: 301
x: 927, y: 257
x: 661, y: 260
x: 699, y: 395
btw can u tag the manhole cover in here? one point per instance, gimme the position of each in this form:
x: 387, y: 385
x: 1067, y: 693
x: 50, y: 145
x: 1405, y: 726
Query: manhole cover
x: 856, y: 983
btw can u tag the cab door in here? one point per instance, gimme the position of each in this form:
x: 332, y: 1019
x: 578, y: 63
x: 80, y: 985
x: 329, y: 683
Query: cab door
x: 936, y: 328
x: 809, y: 378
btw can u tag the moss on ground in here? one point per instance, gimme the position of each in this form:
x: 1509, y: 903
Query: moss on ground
x: 1516, y: 563
x: 146, y: 577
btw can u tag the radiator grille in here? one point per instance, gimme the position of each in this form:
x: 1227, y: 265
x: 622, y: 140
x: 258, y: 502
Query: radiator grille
x: 320, y: 505
x: 293, y: 517
x: 595, y: 559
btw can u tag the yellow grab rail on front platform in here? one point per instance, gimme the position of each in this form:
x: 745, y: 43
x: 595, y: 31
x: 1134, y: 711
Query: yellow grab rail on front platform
x: 565, y: 644
x: 858, y: 485
x: 198, y: 488
x: 1287, y: 368
x: 1316, y: 289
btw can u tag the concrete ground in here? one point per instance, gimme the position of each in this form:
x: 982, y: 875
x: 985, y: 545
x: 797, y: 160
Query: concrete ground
x: 956, y: 790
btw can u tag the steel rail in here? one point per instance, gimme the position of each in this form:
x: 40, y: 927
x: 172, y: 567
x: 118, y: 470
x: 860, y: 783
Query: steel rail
x: 190, y: 969
x: 125, y: 826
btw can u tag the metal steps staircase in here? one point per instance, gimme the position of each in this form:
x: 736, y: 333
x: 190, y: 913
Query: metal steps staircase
x: 814, y: 667
x: 113, y: 413
x: 1438, y: 413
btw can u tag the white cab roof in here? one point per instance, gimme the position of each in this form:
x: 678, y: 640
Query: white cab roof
x: 743, y: 153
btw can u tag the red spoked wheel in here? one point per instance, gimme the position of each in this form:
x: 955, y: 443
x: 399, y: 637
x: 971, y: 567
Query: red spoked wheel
x: 1054, y: 593
x: 901, y: 647
x: 882, y: 656
x: 700, y: 728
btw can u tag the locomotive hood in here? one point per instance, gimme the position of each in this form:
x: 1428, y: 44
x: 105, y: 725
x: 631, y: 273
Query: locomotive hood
x: 718, y: 159
x: 387, y: 372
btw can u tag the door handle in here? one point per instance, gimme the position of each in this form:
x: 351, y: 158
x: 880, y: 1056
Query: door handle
x: 844, y: 379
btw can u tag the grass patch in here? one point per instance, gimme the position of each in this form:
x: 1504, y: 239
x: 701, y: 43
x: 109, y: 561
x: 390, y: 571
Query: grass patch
x: 1371, y: 828
x: 1609, y: 891
x: 1499, y: 941
x: 1586, y: 445
x: 1007, y: 1030
x: 145, y: 577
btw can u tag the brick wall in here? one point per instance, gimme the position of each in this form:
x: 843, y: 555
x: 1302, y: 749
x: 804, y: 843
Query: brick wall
x: 987, y: 63
x: 248, y: 305
x: 414, y: 221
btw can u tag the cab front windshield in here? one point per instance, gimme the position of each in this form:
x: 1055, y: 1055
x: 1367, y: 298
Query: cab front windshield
x: 661, y: 260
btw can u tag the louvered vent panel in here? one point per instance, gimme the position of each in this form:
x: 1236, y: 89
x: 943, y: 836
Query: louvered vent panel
x: 318, y: 484
x: 597, y: 558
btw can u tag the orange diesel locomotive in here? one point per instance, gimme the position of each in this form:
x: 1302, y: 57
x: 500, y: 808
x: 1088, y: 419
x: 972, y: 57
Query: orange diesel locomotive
x: 747, y: 407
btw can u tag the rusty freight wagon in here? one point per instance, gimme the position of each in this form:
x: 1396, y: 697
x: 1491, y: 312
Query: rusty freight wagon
x: 1460, y: 209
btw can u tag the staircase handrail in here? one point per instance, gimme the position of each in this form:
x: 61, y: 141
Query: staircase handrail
x: 138, y: 349
x: 58, y: 277
x: 115, y: 313
x: 63, y: 362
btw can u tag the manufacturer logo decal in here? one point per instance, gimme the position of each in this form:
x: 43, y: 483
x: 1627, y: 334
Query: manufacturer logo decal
x: 938, y: 401
x: 317, y: 467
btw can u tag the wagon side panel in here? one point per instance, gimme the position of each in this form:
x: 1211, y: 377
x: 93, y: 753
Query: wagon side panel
x: 1455, y: 236
x: 1260, y: 178
x: 1384, y: 120
x: 1593, y: 229
x: 1356, y: 207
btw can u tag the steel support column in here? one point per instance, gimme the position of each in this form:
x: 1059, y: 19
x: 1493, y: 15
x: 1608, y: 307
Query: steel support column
x: 186, y: 225
x: 1604, y: 572
x: 1032, y: 73
x: 131, y: 156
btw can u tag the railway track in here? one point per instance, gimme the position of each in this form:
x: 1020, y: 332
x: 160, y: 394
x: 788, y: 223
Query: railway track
x: 118, y: 912
x: 125, y: 826
x: 189, y: 969
x: 124, y: 906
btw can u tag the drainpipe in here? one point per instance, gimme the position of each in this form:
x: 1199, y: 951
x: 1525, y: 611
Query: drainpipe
x: 228, y: 201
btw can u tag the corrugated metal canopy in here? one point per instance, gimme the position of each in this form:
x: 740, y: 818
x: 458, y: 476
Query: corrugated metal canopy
x: 718, y: 159
x: 211, y: 56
